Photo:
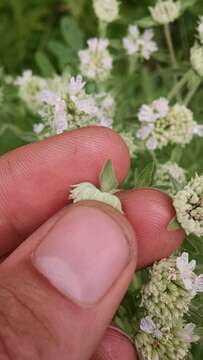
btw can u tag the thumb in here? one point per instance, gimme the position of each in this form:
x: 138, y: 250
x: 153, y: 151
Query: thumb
x: 60, y: 289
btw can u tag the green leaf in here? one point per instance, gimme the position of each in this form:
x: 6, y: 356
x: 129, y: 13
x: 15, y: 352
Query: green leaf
x: 108, y: 180
x: 177, y: 154
x: 146, y: 22
x: 44, y: 64
x: 173, y: 224
x: 145, y: 178
x: 71, y: 33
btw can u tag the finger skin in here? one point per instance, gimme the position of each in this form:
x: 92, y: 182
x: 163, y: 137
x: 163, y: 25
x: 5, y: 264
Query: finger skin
x: 115, y: 346
x: 36, y: 179
x: 40, y: 319
x: 150, y: 211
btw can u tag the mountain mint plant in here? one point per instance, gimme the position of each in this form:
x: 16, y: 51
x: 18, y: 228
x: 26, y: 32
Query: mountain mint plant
x: 142, y: 77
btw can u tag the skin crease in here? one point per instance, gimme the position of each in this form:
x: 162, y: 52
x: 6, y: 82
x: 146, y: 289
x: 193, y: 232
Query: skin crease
x: 33, y: 191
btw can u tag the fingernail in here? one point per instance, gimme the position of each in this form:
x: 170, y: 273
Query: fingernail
x: 83, y: 255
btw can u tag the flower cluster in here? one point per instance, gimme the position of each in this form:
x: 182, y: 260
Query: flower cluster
x: 162, y: 124
x: 95, y: 61
x: 165, y: 11
x: 166, y: 299
x: 65, y: 105
x: 188, y: 203
x: 106, y: 10
x: 138, y: 44
x: 29, y: 86
x: 168, y: 174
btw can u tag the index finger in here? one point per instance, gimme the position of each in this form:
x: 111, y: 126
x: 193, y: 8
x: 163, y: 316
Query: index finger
x: 36, y: 178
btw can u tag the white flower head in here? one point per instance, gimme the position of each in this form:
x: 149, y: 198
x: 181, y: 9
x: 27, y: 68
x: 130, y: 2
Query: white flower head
x: 139, y: 44
x: 188, y: 203
x: 38, y: 128
x: 29, y: 87
x: 165, y: 11
x: 95, y: 61
x: 187, y: 334
x: 106, y: 10
x: 181, y: 124
x: 186, y: 269
x: 196, y: 58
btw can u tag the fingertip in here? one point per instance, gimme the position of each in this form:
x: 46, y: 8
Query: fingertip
x: 115, y: 345
x: 150, y: 211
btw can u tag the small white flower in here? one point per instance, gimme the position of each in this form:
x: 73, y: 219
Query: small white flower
x: 161, y: 106
x: 106, y: 10
x: 24, y: 78
x: 60, y: 121
x: 145, y: 131
x: 198, y: 129
x: 187, y: 334
x: 186, y: 269
x: 146, y: 113
x: 48, y: 97
x: 139, y: 44
x: 38, y: 128
x: 147, y: 325
x: 76, y: 85
x: 199, y: 284
x: 151, y: 143
x: 96, y: 61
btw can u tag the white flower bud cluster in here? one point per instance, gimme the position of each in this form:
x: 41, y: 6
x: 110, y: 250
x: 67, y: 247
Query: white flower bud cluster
x: 29, y: 87
x: 167, y: 173
x: 87, y: 191
x: 106, y: 10
x: 96, y: 62
x: 67, y: 107
x: 141, y: 45
x: 165, y: 11
x: 166, y: 299
x: 162, y: 124
x: 188, y: 203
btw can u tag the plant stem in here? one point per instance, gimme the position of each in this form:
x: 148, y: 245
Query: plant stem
x: 132, y: 64
x: 170, y: 45
x: 192, y: 91
x: 179, y: 85
x: 102, y: 29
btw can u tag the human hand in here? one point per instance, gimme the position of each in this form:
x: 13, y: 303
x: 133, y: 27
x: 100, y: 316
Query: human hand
x: 69, y: 267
